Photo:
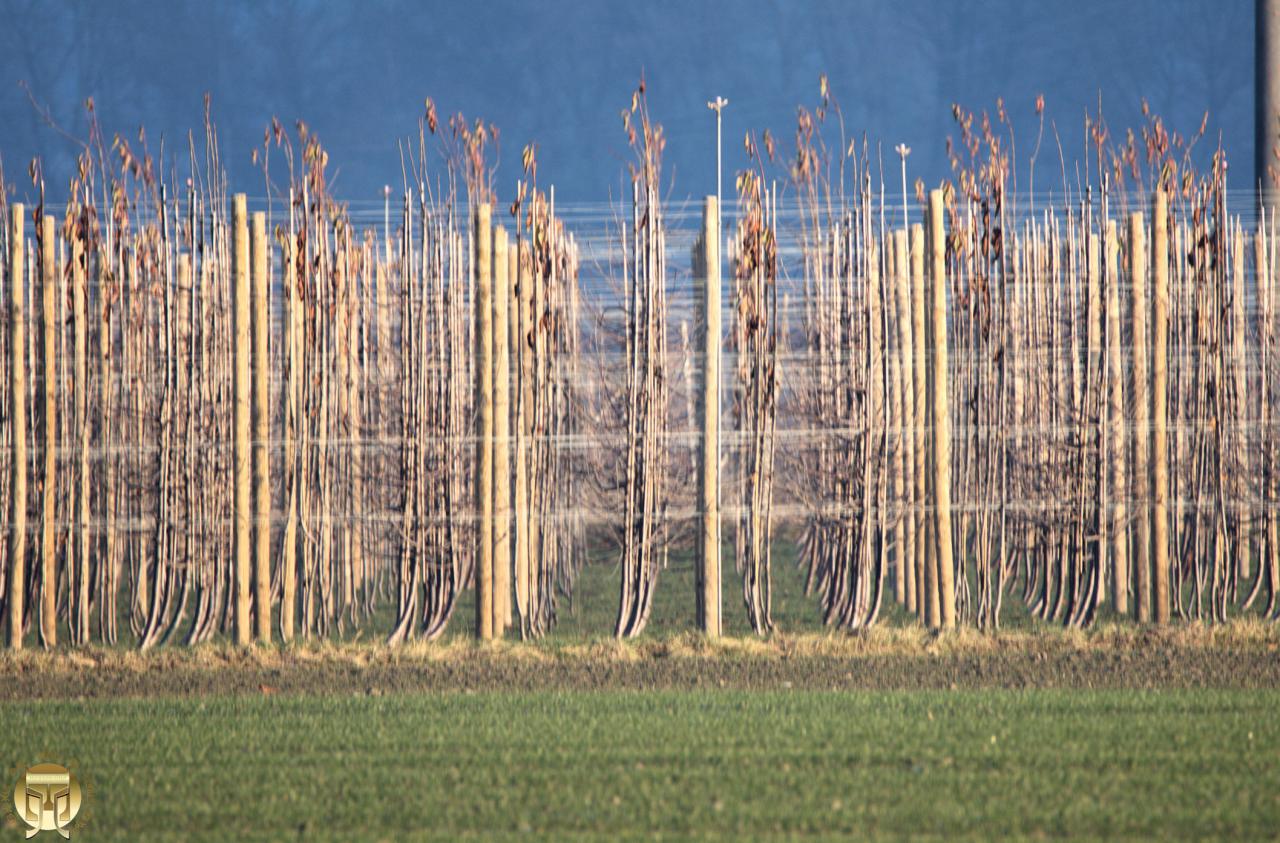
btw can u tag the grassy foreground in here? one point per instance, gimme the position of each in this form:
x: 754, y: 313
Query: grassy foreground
x: 1119, y: 732
x: 602, y: 765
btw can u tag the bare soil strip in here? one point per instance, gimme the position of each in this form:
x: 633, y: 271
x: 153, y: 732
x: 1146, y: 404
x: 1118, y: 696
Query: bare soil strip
x: 1242, y: 655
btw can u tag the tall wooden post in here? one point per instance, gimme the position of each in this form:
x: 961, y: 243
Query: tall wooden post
x: 907, y: 554
x: 941, y: 416
x: 1141, y: 420
x: 261, y: 322
x: 18, y: 420
x: 482, y: 263
x: 49, y: 389
x: 513, y: 418
x: 1160, y: 407
x: 242, y: 503
x: 926, y: 563
x: 1115, y: 413
x: 502, y: 558
x: 709, y: 411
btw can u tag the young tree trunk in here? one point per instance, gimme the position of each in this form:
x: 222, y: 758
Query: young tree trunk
x: 292, y: 319
x: 79, y: 317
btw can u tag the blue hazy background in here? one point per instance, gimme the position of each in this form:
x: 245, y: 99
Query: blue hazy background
x: 558, y: 73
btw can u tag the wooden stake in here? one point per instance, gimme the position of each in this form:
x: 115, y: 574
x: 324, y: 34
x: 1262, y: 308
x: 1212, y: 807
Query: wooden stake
x: 1160, y: 408
x: 18, y: 421
x: 49, y: 493
x: 1115, y: 412
x: 907, y: 553
x: 1141, y: 419
x: 709, y: 411
x: 242, y: 516
x: 502, y: 559
x: 927, y: 603
x: 262, y: 404
x: 941, y: 450
x: 482, y: 242
x: 513, y: 420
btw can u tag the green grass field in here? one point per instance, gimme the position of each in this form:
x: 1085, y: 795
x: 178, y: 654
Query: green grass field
x: 1188, y: 764
x: 893, y: 733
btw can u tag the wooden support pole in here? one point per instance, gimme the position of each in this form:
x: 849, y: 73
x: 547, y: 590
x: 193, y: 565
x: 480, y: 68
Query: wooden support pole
x: 18, y: 422
x: 941, y: 416
x: 1115, y: 413
x: 502, y: 558
x: 1141, y: 419
x: 709, y: 411
x: 242, y: 504
x: 513, y: 421
x: 927, y: 604
x: 1160, y: 408
x: 482, y: 266
x: 907, y: 553
x: 261, y: 323
x: 49, y: 390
